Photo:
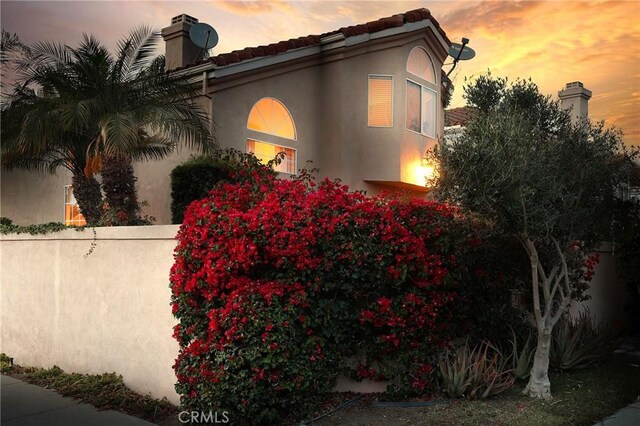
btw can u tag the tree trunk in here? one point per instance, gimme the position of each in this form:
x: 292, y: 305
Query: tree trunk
x: 86, y: 190
x: 539, y: 385
x: 119, y: 186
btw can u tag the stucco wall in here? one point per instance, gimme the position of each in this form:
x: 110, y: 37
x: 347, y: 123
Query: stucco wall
x: 108, y: 311
x: 608, y: 293
x: 29, y: 197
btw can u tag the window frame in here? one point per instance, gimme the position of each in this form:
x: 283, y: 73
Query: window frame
x: 435, y: 117
x: 295, y: 151
x: 71, y: 222
x: 392, y: 100
x: 293, y: 122
x: 431, y: 63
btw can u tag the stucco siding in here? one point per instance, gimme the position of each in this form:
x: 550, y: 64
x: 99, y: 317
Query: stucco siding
x: 107, y: 311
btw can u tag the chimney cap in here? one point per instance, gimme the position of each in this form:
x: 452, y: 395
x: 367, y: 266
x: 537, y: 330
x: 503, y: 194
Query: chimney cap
x: 184, y: 18
x: 574, y: 84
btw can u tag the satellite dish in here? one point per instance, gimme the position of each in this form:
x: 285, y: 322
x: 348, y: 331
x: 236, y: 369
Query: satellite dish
x: 461, y: 52
x: 203, y: 35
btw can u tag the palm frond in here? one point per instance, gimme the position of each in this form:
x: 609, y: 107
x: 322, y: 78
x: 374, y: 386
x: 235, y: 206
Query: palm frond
x: 135, y: 52
x: 118, y: 134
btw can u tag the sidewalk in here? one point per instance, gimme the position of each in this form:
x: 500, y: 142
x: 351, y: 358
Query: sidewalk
x: 628, y: 416
x: 24, y: 405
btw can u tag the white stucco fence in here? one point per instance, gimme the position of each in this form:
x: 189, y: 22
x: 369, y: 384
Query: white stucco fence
x: 108, y: 311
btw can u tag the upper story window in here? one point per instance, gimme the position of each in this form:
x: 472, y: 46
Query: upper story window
x: 420, y: 65
x: 380, y: 101
x: 269, y: 116
x: 421, y: 111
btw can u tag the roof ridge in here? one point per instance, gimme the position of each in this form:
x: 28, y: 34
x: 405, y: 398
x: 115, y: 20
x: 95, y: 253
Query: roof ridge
x: 271, y: 49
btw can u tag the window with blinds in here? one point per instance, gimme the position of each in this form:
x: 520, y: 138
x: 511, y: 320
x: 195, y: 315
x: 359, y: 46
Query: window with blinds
x: 380, y: 101
x: 266, y: 152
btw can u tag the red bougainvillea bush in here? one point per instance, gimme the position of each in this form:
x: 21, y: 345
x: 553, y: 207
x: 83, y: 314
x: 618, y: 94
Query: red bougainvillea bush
x: 277, y: 282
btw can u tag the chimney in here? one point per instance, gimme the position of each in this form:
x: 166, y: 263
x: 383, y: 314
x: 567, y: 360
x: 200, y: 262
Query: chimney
x: 576, y: 98
x: 179, y: 50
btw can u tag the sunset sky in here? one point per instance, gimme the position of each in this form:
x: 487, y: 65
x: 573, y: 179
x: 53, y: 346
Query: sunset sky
x: 553, y: 42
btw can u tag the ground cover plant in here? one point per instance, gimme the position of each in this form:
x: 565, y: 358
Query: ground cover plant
x: 103, y: 391
x: 276, y: 282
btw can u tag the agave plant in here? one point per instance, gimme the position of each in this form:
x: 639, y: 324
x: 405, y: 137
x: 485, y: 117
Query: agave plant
x: 455, y: 371
x: 477, y: 373
x: 521, y: 358
x: 579, y: 342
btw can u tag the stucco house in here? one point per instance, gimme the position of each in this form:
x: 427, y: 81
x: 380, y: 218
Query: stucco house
x: 363, y: 103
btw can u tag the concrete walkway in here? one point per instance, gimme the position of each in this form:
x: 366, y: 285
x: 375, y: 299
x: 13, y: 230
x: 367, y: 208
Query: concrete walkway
x: 629, y: 416
x: 25, y: 405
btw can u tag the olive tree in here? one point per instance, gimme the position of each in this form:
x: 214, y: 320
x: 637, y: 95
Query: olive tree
x: 551, y: 183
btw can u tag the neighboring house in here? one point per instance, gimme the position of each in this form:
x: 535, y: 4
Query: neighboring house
x: 364, y: 103
x: 574, y: 97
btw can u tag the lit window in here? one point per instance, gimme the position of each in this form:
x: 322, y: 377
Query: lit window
x: 266, y: 151
x: 421, y: 111
x: 72, y: 215
x: 380, y: 101
x: 270, y: 116
x: 420, y: 65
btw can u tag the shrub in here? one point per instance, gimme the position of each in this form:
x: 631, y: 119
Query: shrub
x: 579, y: 342
x: 276, y: 282
x: 194, y: 179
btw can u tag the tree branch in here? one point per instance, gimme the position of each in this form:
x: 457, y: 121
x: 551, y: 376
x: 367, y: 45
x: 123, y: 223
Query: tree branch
x: 533, y: 258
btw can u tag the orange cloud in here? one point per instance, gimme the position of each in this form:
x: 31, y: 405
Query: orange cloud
x: 254, y: 7
x: 555, y: 43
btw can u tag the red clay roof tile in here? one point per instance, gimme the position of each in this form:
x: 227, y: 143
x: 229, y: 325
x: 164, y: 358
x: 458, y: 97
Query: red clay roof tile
x: 458, y: 116
x: 310, y: 40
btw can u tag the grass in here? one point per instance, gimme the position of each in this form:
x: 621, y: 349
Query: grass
x: 103, y: 391
x: 581, y: 397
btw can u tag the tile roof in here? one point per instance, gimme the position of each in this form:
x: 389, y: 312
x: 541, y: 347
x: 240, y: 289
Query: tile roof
x: 236, y: 56
x: 457, y: 116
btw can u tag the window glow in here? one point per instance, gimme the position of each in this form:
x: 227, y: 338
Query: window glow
x: 72, y: 215
x: 270, y: 116
x: 380, y: 101
x: 266, y: 151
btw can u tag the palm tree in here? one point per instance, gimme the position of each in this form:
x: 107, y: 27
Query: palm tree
x: 98, y: 113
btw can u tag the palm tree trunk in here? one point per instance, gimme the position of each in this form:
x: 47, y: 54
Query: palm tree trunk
x: 119, y: 186
x: 86, y: 190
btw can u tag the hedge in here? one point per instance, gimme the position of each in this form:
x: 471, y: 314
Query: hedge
x: 277, y: 282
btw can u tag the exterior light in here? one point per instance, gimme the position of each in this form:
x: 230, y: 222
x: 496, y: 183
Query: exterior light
x: 428, y: 171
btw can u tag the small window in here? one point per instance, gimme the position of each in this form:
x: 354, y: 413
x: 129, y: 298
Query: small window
x: 420, y: 65
x: 72, y: 215
x: 266, y: 151
x: 380, y: 101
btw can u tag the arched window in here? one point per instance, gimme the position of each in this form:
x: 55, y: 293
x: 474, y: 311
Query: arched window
x: 420, y: 65
x: 422, y: 93
x: 271, y: 117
